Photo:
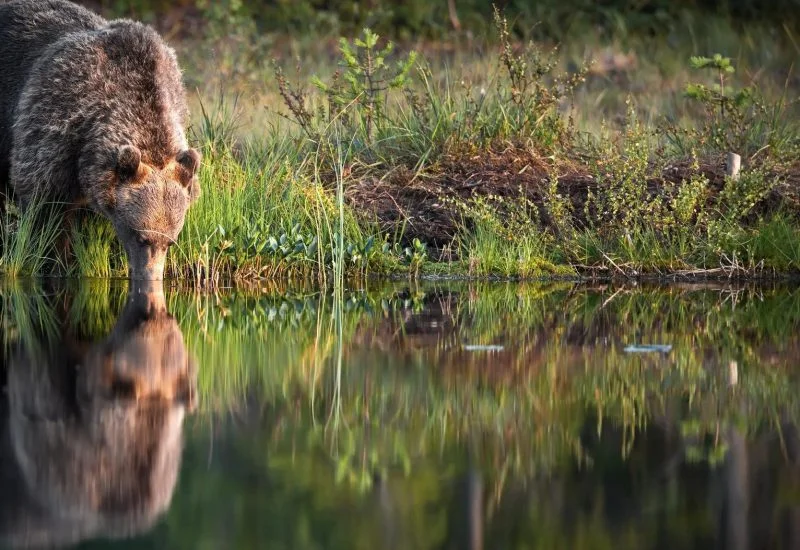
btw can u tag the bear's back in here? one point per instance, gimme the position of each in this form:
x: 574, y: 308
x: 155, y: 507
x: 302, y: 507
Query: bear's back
x: 27, y: 28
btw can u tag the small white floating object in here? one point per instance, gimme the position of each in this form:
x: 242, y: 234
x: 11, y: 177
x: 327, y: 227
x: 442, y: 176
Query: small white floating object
x: 478, y: 347
x: 649, y: 348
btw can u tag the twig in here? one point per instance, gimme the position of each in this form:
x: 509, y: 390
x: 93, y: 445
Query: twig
x: 618, y: 268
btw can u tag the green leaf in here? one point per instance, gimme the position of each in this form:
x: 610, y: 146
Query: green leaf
x: 312, y: 247
x: 368, y: 245
x: 699, y: 62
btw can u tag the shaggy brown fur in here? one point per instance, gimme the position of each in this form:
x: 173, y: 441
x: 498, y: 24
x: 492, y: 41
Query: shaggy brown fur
x: 93, y: 112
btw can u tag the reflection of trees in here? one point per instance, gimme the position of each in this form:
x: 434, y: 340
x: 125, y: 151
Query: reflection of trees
x: 269, y: 487
x: 92, y: 432
x: 576, y: 443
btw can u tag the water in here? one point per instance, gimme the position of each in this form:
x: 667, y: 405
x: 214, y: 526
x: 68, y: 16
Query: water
x: 434, y: 416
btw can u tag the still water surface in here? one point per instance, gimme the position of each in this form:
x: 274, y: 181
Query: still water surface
x: 475, y: 416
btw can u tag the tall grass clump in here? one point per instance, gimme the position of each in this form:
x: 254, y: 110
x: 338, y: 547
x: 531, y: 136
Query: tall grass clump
x: 504, y: 239
x: 28, y: 238
x: 519, y: 101
x: 96, y: 249
x: 263, y: 212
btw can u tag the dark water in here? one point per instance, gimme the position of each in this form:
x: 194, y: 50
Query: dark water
x: 434, y: 416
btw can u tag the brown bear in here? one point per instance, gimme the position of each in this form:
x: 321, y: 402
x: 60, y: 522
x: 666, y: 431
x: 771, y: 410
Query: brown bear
x: 92, y: 113
x: 93, y: 437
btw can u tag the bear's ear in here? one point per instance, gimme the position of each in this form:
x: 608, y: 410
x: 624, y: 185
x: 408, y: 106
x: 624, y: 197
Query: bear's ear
x: 190, y: 160
x: 128, y: 159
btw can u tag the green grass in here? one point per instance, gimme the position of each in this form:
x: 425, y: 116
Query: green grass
x: 29, y: 240
x: 518, y: 162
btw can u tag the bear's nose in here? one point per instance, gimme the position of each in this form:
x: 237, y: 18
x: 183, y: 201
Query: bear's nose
x: 146, y: 256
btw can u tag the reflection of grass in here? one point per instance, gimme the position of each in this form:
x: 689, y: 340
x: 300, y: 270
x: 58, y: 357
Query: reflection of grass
x: 27, y: 315
x: 367, y: 383
x: 94, y: 307
x: 528, y: 404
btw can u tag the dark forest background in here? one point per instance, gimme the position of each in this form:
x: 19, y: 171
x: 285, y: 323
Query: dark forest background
x: 439, y: 18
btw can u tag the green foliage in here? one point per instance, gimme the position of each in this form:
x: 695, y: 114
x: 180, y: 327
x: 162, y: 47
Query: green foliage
x: 503, y: 237
x: 522, y: 103
x: 365, y: 79
x: 726, y: 109
x: 740, y: 195
x: 413, y: 256
x: 620, y: 202
x: 739, y: 119
x: 688, y: 203
x: 239, y: 47
x: 280, y: 202
x: 251, y: 223
x: 29, y: 238
x: 411, y: 18
x: 97, y: 252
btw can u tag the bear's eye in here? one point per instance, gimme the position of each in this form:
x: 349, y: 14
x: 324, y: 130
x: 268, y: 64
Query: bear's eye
x: 144, y: 241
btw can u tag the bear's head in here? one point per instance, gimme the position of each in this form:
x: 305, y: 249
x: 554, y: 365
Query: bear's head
x: 147, y: 205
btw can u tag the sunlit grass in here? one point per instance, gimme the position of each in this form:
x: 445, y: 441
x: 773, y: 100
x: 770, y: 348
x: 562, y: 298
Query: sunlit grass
x: 320, y: 200
x: 29, y: 238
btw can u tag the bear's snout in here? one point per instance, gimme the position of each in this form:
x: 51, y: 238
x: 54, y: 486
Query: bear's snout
x: 146, y: 260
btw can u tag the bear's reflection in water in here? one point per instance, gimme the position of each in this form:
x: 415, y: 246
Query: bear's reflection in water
x: 93, y: 433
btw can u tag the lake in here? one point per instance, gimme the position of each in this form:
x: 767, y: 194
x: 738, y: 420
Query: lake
x: 431, y: 415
